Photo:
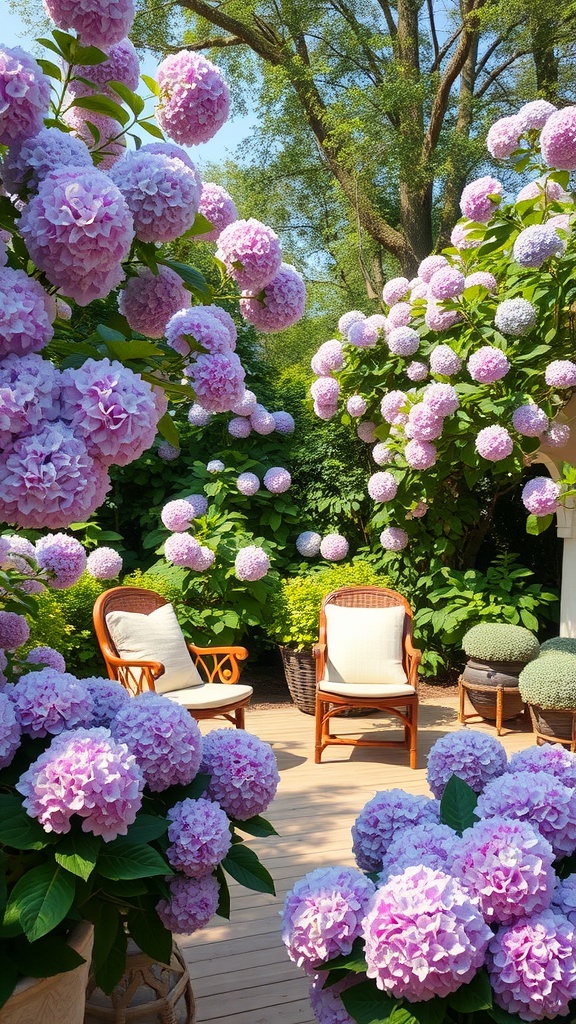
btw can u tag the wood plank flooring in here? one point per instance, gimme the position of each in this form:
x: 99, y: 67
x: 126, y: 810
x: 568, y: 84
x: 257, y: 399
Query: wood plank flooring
x: 239, y: 968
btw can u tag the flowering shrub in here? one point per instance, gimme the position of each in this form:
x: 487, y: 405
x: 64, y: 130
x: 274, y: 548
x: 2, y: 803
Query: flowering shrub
x: 468, y: 919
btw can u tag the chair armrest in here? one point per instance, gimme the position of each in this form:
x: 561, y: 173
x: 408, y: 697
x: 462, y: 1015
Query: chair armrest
x: 413, y: 658
x: 218, y: 664
x: 136, y: 676
x: 319, y: 651
x: 319, y: 655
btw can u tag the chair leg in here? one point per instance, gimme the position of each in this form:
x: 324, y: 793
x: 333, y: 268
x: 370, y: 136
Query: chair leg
x: 414, y: 737
x: 318, y: 731
x: 462, y: 696
x: 240, y: 719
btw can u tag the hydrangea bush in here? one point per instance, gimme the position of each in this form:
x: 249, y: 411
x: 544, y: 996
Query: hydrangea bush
x: 461, y: 909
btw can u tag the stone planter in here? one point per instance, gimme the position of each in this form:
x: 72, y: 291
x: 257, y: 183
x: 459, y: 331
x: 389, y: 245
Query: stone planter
x: 553, y: 725
x: 483, y: 678
x: 57, y: 1000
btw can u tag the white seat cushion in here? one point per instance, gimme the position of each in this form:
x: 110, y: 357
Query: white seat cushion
x: 373, y: 691
x: 364, y: 646
x: 155, y: 637
x: 210, y: 695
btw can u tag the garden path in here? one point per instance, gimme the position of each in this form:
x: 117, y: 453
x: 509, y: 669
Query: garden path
x: 240, y: 971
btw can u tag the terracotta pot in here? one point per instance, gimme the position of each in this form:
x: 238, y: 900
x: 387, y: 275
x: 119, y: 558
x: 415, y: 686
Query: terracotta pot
x: 57, y: 1000
x: 488, y: 676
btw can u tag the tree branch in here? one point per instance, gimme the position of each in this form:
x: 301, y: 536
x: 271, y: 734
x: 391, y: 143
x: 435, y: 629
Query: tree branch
x: 491, y: 78
x: 433, y: 31
x: 387, y: 11
x: 212, y: 43
x: 256, y: 40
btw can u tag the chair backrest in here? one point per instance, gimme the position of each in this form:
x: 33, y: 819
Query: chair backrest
x: 125, y: 599
x: 368, y: 597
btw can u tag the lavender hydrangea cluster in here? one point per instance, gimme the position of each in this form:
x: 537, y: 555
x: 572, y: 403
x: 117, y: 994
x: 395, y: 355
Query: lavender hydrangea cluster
x: 10, y: 731
x: 193, y: 901
x: 199, y: 834
x: 247, y: 484
x: 108, y: 697
x: 546, y: 802
x: 277, y: 480
x: 29, y: 160
x: 308, y: 543
x: 218, y: 207
x: 24, y: 95
x: 551, y: 758
x: 251, y: 563
x: 47, y: 657
x: 280, y: 303
x: 382, y: 819
x: 431, y: 844
x: 478, y: 200
x: 488, y: 364
x: 494, y: 443
x: 473, y: 756
x: 243, y: 772
x: 148, y: 300
x: 194, y: 98
x: 541, y: 496
x: 444, y: 362
x: 164, y: 738
x: 334, y: 547
x: 62, y: 558
x: 382, y: 486
x: 162, y: 193
x: 251, y: 253
x: 49, y: 702
x: 121, y: 65
x: 394, y: 538
x: 104, y: 564
x: 515, y: 317
x: 97, y: 22
x: 535, y: 244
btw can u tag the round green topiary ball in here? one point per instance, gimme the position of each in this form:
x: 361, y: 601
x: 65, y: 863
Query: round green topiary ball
x: 498, y: 641
x: 562, y: 644
x: 550, y: 682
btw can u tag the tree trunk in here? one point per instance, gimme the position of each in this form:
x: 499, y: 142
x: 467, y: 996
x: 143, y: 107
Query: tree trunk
x: 545, y: 59
x: 457, y: 173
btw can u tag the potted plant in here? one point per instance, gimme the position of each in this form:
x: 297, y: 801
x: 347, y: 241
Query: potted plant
x: 294, y: 620
x: 548, y: 685
x: 497, y: 653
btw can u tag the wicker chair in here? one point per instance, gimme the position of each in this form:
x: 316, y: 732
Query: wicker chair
x: 216, y: 665
x: 399, y: 698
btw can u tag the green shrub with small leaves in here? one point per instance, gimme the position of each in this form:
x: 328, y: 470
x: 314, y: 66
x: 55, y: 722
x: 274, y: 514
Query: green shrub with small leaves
x: 550, y: 681
x: 563, y: 644
x: 64, y: 621
x: 498, y: 641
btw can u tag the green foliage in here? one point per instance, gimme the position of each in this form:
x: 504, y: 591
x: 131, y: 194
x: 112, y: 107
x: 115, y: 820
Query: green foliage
x: 499, y: 642
x: 296, y: 602
x: 64, y: 621
x: 550, y: 681
x: 563, y: 644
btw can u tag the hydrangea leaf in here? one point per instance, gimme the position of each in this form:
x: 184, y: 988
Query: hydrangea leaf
x: 457, y: 805
x: 45, y: 957
x: 110, y: 945
x: 367, y: 1005
x: 354, y: 961
x: 78, y: 852
x: 223, y: 908
x: 152, y: 84
x: 41, y: 899
x: 125, y: 859
x: 256, y: 826
x: 148, y: 932
x: 503, y: 1017
x: 146, y: 828
x: 535, y: 525
x: 243, y: 865
x: 475, y: 996
x: 152, y: 129
x: 18, y: 829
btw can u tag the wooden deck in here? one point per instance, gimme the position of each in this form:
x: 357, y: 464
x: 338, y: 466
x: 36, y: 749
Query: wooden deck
x: 240, y: 971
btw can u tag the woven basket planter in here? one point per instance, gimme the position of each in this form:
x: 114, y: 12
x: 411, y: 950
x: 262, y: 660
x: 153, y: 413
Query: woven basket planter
x: 300, y: 672
x: 554, y: 726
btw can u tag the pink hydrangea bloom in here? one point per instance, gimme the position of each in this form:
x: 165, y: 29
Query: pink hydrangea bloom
x: 439, y: 319
x: 251, y: 253
x: 248, y: 484
x: 251, y: 563
x: 482, y: 278
x: 494, y: 443
x: 540, y: 496
x: 29, y: 390
x: 62, y: 558
x: 386, y: 816
x: 197, y: 416
x: 122, y: 65
x: 243, y: 772
x: 561, y: 373
x: 277, y: 480
x: 393, y: 538
x: 423, y: 423
x: 84, y: 772
x: 167, y: 452
x: 325, y: 390
x: 199, y: 834
x: 362, y: 334
x: 223, y: 316
x: 98, y: 22
x: 377, y: 320
x: 25, y: 314
x: 356, y: 405
x: 329, y: 357
x: 194, y: 98
x: 280, y: 304
x: 557, y: 435
x: 382, y: 486
x: 308, y: 543
x: 382, y: 454
x: 149, y: 300
x: 199, y: 504
x: 534, y: 115
x: 246, y: 405
x: 162, y: 193
x: 10, y: 731
x: 429, y: 266
x: 326, y: 1003
x: 558, y: 140
x: 322, y: 915
x: 419, y: 290
x: 403, y: 341
x: 444, y: 362
x: 430, y: 844
x: 334, y: 547
x: 538, y: 797
x: 468, y: 754
x: 104, y: 564
x: 429, y: 912
x: 487, y: 365
x: 442, y: 399
x: 503, y: 137
x: 537, y: 243
x: 14, y: 630
x: 366, y: 431
x: 201, y: 324
x: 78, y: 229
x: 325, y: 412
x: 540, y: 188
x: 181, y: 549
x: 24, y: 95
x: 112, y: 409
x: 349, y: 318
x: 48, y: 702
x: 284, y: 422
x: 164, y: 738
x: 204, y: 559
x: 446, y: 283
x: 218, y: 380
x: 475, y: 202
x: 417, y: 371
x: 111, y: 144
x: 529, y: 420
x: 515, y: 317
x: 420, y: 454
x: 399, y: 315
x: 395, y: 290
x: 239, y: 426
x: 390, y: 407
x: 29, y: 160
x: 48, y: 657
x: 218, y: 208
x: 193, y: 901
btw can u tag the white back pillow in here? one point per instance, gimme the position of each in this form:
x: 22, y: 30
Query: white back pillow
x: 155, y: 637
x: 364, y: 645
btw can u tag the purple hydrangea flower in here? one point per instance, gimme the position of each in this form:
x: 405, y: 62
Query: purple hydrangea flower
x: 10, y: 730
x: 347, y: 319
x: 503, y: 137
x: 536, y: 797
x: 564, y: 897
x: 24, y: 95
x: 243, y: 772
x: 251, y: 253
x: 25, y: 314
x: 215, y: 466
x: 167, y: 452
x: 390, y: 407
x: 325, y: 390
x: 122, y: 65
x: 417, y: 371
x: 218, y: 380
x: 218, y: 207
x: 198, y: 416
x: 322, y: 915
x: 442, y: 399
x: 494, y: 443
x: 393, y: 538
x: 284, y: 422
x: 382, y: 486
x: 558, y: 140
x: 162, y: 193
x: 381, y: 454
x: 420, y: 454
x: 262, y: 421
x: 535, y: 244
x: 99, y: 23
x: 30, y: 388
x: 362, y: 334
x: 108, y: 697
x: 194, y: 98
x: 164, y: 738
x: 199, y: 834
x: 383, y: 818
x: 532, y: 966
x: 437, y: 318
x: 84, y: 772
x: 329, y: 357
x: 551, y: 758
x: 239, y: 427
x: 561, y: 373
x: 475, y: 202
x: 277, y: 480
x: 399, y: 315
x: 471, y: 755
x: 529, y: 420
x: 29, y: 160
x: 246, y: 405
x: 149, y: 300
x: 365, y: 431
x: 63, y: 558
x: 248, y: 484
x: 429, y: 266
x: 488, y: 364
x: 177, y: 515
x: 444, y: 362
x: 48, y: 702
x: 461, y: 237
x: 395, y: 290
x: 308, y: 543
x: 484, y: 279
x: 403, y: 341
x: 104, y: 564
x: 446, y: 283
x: 326, y: 1003
x: 280, y: 303
x: 251, y: 563
x: 204, y: 559
x: 430, y: 844
x: 541, y: 187
x: 540, y: 496
x: 193, y: 901
x: 112, y: 143
x: 557, y: 435
x: 48, y: 657
x: 534, y: 115
x: 199, y: 504
x: 334, y: 547
x: 181, y: 549
x: 78, y: 229
x: 423, y: 423
x: 201, y: 324
x: 507, y: 865
x: 423, y: 935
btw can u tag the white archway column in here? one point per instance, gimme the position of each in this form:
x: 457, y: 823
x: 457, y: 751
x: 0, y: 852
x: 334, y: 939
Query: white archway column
x: 566, y: 527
